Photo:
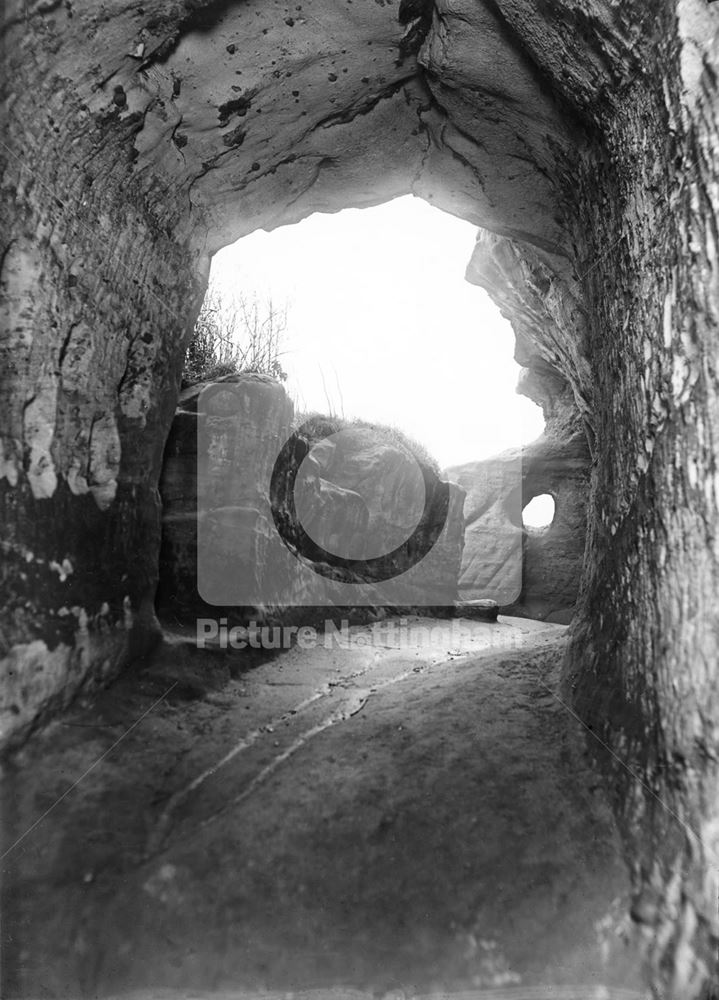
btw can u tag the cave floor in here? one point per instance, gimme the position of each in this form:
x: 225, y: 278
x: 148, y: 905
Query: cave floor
x: 372, y: 821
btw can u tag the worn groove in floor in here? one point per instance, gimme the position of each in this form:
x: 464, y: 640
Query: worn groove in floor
x: 370, y: 821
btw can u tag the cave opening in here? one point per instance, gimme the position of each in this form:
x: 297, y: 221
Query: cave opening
x: 365, y: 318
x: 213, y: 696
x: 585, y: 148
x: 379, y: 323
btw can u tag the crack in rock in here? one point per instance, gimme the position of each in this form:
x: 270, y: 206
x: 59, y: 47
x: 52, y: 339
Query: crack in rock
x: 158, y: 837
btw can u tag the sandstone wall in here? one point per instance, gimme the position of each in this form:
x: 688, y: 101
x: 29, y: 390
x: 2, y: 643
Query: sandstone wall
x: 356, y: 493
x: 533, y: 572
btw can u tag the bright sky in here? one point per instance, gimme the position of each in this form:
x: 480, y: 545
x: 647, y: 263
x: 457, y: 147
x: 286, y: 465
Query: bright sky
x: 383, y: 326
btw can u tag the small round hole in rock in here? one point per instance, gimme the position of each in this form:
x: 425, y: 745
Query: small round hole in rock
x: 539, y: 512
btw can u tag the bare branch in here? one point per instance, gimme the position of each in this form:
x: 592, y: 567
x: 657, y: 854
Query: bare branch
x: 236, y: 333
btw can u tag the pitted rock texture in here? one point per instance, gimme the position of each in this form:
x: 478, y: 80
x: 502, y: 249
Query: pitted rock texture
x: 582, y: 135
x: 357, y: 493
x: 528, y: 571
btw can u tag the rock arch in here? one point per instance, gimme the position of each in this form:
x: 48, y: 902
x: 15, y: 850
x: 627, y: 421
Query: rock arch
x: 581, y: 137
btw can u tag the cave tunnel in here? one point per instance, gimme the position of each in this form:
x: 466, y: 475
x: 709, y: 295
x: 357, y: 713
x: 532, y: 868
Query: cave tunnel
x: 138, y: 141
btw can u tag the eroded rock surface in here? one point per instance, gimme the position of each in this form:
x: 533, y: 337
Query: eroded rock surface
x: 235, y: 457
x: 529, y: 571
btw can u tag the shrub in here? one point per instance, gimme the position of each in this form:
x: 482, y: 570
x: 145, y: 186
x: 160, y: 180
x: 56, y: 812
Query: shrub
x: 320, y: 425
x: 235, y: 334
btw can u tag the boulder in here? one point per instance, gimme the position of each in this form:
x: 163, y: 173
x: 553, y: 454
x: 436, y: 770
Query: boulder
x: 481, y: 610
x: 262, y: 519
